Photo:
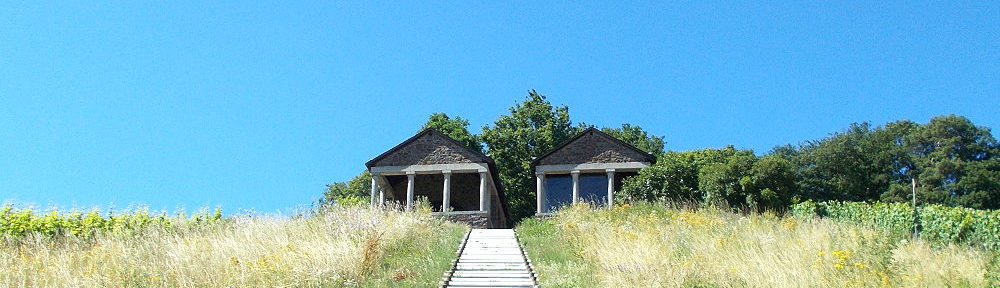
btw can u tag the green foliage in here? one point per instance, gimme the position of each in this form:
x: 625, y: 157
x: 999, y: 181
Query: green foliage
x: 635, y: 136
x: 674, y: 176
x: 956, y: 163
x: 22, y: 222
x: 711, y: 176
x: 728, y: 181
x: 850, y: 165
x: 775, y: 178
x: 937, y: 223
x: 353, y: 192
x: 532, y: 128
x: 953, y: 160
x: 456, y: 128
x: 805, y: 210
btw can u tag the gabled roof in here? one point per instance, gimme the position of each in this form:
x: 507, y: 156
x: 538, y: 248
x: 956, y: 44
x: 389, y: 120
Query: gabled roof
x: 430, y: 132
x: 593, y: 131
x: 494, y: 173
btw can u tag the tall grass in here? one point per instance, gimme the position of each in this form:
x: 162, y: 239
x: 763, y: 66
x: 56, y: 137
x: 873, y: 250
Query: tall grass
x: 342, y: 247
x: 652, y: 245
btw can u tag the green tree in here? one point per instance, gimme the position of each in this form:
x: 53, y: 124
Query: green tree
x: 355, y: 191
x: 637, y: 137
x: 532, y: 128
x: 848, y: 165
x: 729, y: 181
x: 953, y: 160
x: 955, y: 163
x: 456, y: 128
x: 773, y: 182
x: 673, y: 177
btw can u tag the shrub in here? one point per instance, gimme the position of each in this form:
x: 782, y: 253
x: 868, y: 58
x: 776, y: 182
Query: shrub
x: 937, y: 223
x: 15, y: 223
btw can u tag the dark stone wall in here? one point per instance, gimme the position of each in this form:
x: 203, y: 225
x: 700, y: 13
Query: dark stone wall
x: 431, y: 148
x: 593, y: 148
x: 476, y: 220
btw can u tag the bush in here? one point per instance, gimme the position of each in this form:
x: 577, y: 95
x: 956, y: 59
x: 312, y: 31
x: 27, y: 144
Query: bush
x: 936, y: 222
x: 22, y: 222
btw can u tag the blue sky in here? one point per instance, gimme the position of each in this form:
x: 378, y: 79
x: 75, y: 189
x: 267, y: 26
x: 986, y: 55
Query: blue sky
x: 257, y: 106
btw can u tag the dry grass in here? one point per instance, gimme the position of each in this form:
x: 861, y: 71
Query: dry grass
x: 654, y: 246
x: 344, y: 247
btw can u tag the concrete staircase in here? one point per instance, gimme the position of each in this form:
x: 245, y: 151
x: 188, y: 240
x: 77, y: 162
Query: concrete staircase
x: 490, y: 258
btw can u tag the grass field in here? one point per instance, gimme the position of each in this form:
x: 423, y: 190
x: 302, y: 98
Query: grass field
x: 344, y: 247
x: 653, y: 245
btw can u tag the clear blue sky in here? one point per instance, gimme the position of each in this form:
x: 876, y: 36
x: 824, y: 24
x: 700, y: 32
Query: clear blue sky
x: 258, y: 106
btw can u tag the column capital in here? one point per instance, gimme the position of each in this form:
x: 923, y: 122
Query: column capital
x: 609, y: 170
x: 411, y: 173
x: 540, y: 174
x: 575, y: 172
x: 446, y: 172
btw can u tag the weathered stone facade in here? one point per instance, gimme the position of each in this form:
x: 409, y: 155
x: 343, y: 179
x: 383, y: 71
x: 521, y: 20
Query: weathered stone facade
x: 593, y: 148
x: 417, y: 168
x: 431, y: 148
x: 474, y: 219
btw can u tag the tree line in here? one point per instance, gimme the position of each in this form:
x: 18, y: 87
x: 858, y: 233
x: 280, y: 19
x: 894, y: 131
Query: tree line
x: 953, y: 161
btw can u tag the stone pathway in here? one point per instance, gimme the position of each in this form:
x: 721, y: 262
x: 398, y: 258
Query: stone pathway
x: 490, y: 258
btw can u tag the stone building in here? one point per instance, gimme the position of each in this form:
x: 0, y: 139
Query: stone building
x: 460, y: 183
x: 588, y: 167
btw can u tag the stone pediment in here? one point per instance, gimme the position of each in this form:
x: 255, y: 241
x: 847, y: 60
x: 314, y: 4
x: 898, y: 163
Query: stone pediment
x: 428, y: 147
x: 593, y: 146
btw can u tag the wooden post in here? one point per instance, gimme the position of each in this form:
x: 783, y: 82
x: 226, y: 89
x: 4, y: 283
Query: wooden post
x: 916, y: 219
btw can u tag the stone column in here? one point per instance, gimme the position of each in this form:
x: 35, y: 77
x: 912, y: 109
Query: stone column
x: 446, y: 196
x: 381, y: 191
x: 482, y: 192
x: 576, y: 186
x: 540, y: 193
x: 374, y: 192
x: 381, y: 196
x: 409, y: 190
x: 611, y: 187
